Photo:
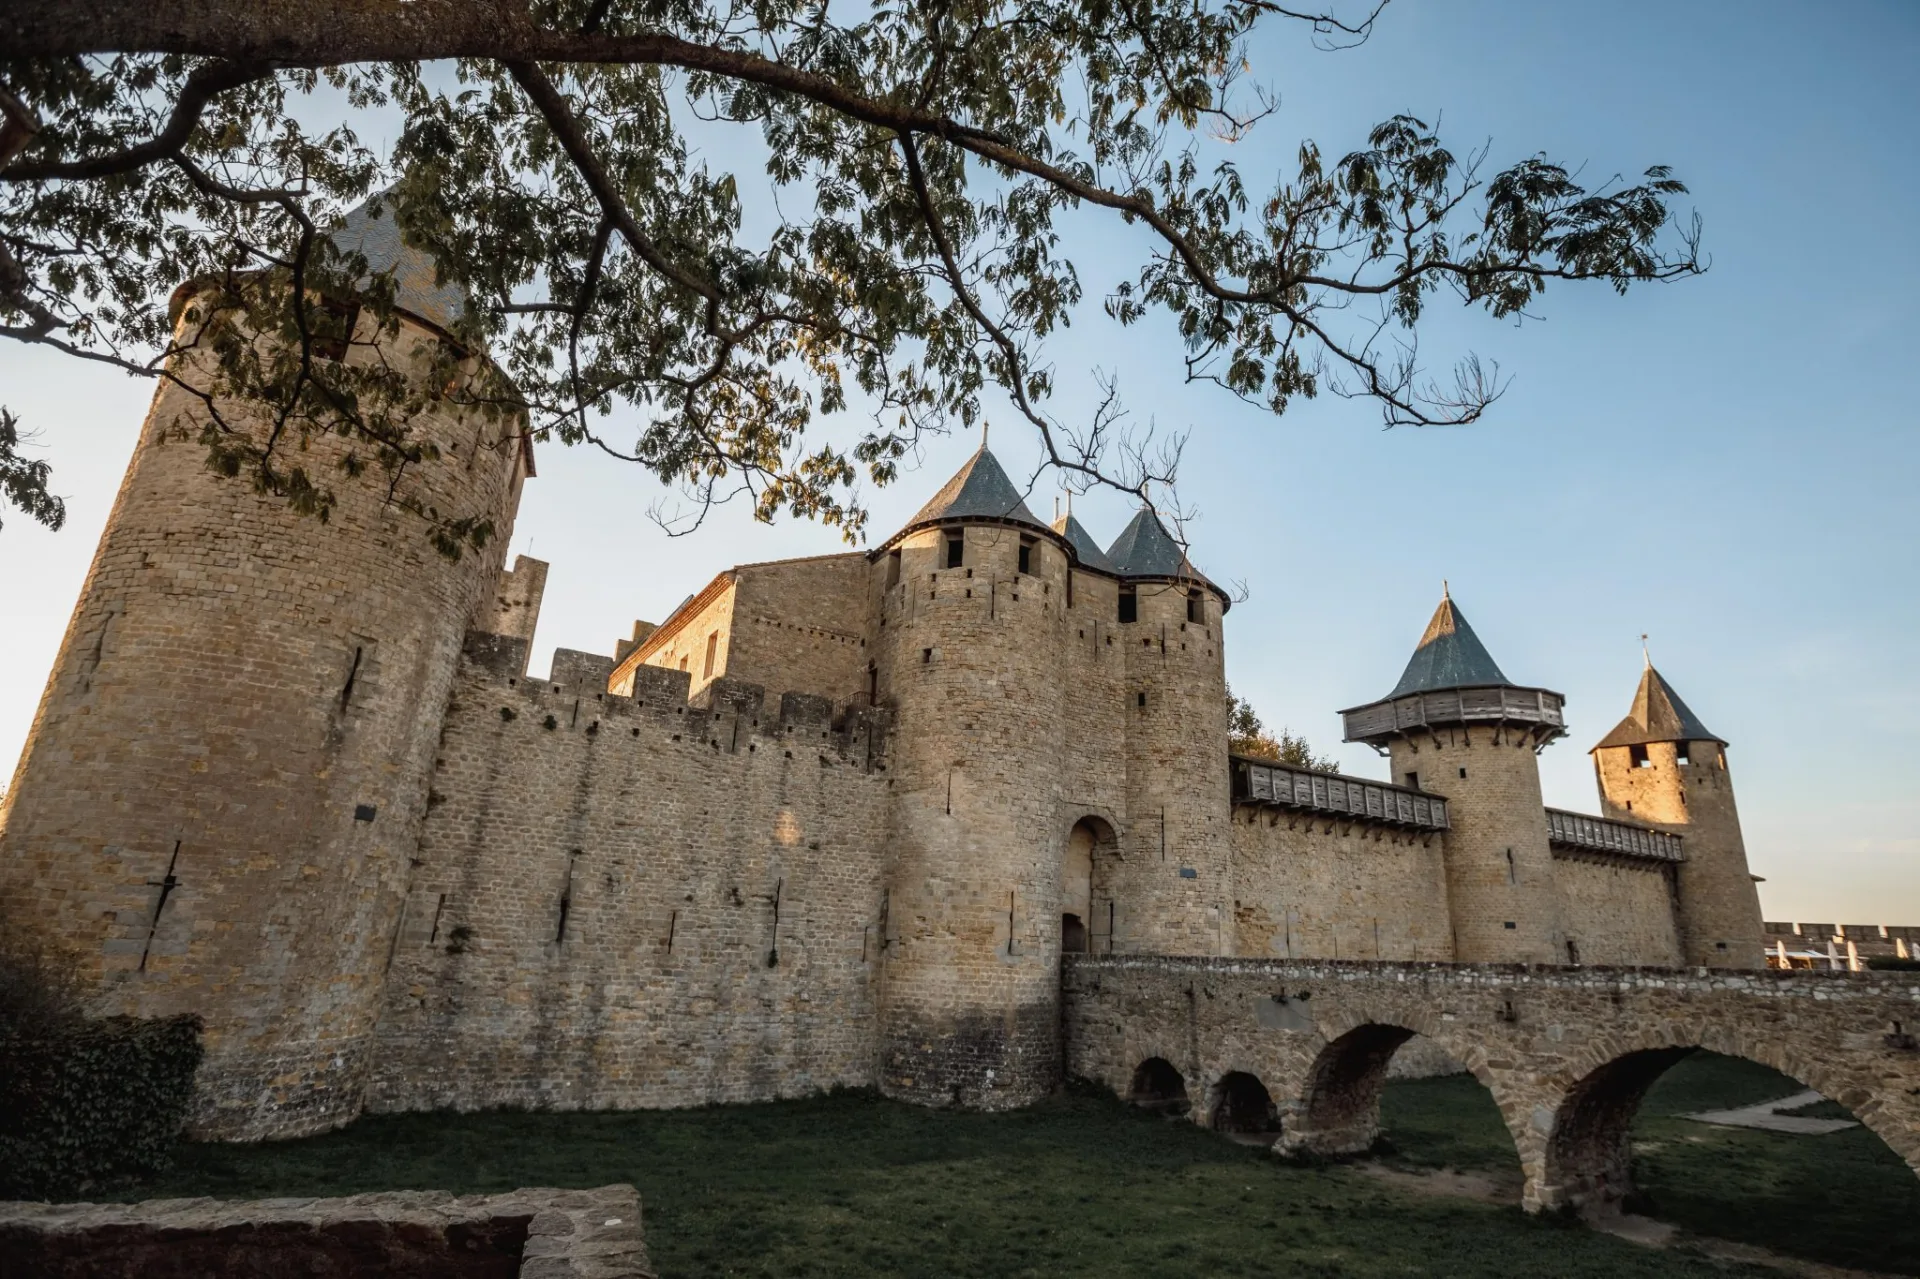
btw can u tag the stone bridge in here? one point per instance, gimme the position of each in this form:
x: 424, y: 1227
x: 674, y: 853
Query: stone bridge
x: 1568, y: 1053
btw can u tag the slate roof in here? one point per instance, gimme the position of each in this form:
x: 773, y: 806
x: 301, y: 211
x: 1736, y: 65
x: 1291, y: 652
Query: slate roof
x: 1449, y: 655
x: 378, y: 240
x: 1145, y: 549
x: 979, y: 490
x: 1084, y: 547
x: 1658, y: 715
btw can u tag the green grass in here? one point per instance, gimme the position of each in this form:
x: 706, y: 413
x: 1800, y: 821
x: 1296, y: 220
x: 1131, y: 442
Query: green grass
x: 1841, y: 1198
x: 851, y: 1185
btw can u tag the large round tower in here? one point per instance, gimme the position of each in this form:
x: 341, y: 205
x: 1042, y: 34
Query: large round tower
x: 968, y: 656
x: 226, y: 777
x: 1456, y: 726
x: 1172, y: 876
x: 1661, y: 767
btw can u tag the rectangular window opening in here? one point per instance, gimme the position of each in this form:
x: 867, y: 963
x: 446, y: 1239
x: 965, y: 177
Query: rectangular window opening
x: 1129, y: 605
x: 332, y: 329
x: 1026, y: 555
x: 1196, y: 606
x: 1142, y: 701
x: 893, y: 569
x: 713, y: 647
x: 1413, y: 781
x: 956, y: 551
x: 1681, y: 753
x: 926, y: 656
x: 1069, y: 588
x: 1637, y: 756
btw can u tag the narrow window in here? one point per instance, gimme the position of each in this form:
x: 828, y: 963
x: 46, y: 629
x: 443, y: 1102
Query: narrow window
x: 1129, y: 605
x: 713, y: 646
x: 956, y: 550
x: 1413, y: 781
x: 1196, y: 610
x: 926, y: 656
x: 683, y: 663
x: 1573, y: 952
x: 1026, y: 556
x: 1513, y: 872
x: 1637, y: 756
x: 1142, y: 703
x: 1463, y: 772
x: 1720, y: 759
x: 332, y: 329
x: 1681, y: 753
x: 873, y: 684
x: 1069, y: 588
x: 893, y: 569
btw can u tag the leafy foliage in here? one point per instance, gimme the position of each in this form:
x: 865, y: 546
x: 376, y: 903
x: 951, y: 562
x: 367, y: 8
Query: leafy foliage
x: 23, y: 480
x: 1246, y: 735
x: 918, y: 160
x: 84, y: 1103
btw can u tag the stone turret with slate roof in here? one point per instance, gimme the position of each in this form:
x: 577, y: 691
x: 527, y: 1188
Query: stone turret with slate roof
x: 1085, y: 549
x: 979, y: 491
x: 1452, y: 679
x: 372, y: 231
x: 1658, y: 715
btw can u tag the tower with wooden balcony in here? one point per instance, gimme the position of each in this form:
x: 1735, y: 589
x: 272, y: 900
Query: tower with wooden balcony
x: 1457, y: 727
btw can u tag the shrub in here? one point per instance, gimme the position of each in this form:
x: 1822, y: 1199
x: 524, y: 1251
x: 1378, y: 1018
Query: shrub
x: 84, y: 1102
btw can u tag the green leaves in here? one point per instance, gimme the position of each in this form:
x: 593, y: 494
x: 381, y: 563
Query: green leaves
x: 547, y: 169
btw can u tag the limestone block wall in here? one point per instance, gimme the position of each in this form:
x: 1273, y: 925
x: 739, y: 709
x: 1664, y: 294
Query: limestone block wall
x: 1309, y: 886
x: 1616, y: 910
x: 685, y: 648
x: 970, y: 660
x: 801, y: 626
x: 1500, y: 874
x: 628, y: 901
x: 1720, y: 921
x: 226, y: 778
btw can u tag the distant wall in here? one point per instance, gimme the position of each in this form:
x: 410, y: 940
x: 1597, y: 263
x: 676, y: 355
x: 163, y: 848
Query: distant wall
x: 1306, y: 886
x: 1617, y: 912
x: 631, y: 902
x: 800, y: 625
x: 686, y: 647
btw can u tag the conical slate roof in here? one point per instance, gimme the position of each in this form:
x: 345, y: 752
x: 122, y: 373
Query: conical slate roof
x: 979, y: 490
x: 1084, y: 547
x: 1145, y: 549
x: 1658, y: 715
x: 1450, y: 655
x: 378, y: 240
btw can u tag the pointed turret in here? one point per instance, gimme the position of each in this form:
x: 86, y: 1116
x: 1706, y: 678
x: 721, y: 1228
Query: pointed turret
x: 979, y: 491
x: 1085, y: 549
x: 1457, y: 726
x: 1661, y: 766
x: 372, y: 231
x: 1658, y: 715
x: 1452, y: 679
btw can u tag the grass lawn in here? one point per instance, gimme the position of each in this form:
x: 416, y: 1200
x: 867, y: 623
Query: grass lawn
x: 852, y: 1185
x: 1841, y: 1198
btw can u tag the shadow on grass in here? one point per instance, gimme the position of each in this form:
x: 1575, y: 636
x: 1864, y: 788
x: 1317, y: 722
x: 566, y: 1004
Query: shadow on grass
x: 852, y: 1185
x: 1842, y: 1198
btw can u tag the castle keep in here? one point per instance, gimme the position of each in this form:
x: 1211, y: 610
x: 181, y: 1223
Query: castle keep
x: 835, y: 821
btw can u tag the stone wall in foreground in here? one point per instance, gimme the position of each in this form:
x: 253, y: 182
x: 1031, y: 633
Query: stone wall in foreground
x: 635, y: 902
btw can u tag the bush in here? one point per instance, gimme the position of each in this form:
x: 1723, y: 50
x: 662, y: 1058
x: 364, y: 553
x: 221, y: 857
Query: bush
x: 84, y: 1102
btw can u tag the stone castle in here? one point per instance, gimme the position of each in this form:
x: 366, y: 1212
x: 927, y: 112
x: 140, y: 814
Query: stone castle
x: 833, y: 822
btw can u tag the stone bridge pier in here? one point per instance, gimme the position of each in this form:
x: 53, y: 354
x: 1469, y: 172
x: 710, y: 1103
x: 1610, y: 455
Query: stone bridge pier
x: 1567, y: 1053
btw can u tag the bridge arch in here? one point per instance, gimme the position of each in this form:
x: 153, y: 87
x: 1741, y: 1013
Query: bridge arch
x: 1240, y: 1105
x: 1338, y: 1110
x: 1585, y: 1157
x: 1159, y: 1086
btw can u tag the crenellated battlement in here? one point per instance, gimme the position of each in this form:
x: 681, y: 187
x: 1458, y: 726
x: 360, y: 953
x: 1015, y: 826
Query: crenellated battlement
x: 727, y: 715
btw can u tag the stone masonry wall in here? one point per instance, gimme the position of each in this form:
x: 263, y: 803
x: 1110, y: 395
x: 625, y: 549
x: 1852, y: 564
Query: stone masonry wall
x: 633, y: 902
x: 801, y: 626
x: 221, y: 792
x: 1616, y: 910
x: 1305, y: 885
x: 686, y: 648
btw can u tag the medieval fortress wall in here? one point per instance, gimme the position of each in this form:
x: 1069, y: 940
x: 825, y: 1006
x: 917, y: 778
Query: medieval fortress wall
x: 834, y: 821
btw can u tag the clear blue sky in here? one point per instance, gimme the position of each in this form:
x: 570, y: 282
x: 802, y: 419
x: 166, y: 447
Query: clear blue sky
x: 1729, y: 464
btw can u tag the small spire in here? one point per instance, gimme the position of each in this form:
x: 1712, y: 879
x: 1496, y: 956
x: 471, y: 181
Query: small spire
x: 1645, y: 654
x: 1445, y: 592
x: 984, y: 428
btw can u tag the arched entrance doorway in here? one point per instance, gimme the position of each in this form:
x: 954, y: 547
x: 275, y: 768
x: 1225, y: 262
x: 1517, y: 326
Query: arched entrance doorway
x: 1086, y: 911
